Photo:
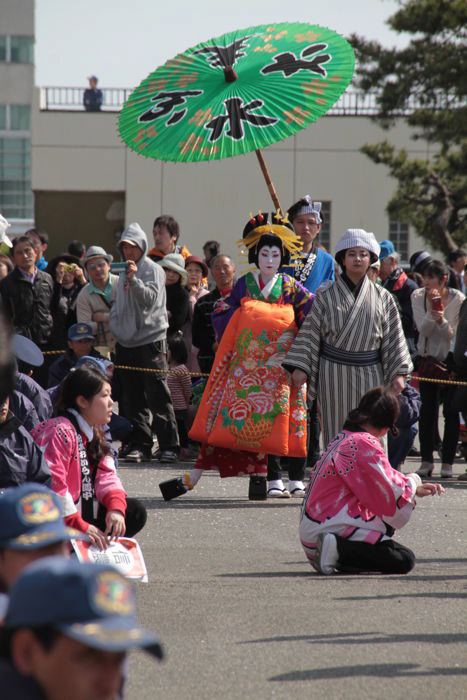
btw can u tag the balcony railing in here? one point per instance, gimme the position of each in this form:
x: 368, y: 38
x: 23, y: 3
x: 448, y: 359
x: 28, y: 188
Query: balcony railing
x: 351, y: 103
x: 70, y: 99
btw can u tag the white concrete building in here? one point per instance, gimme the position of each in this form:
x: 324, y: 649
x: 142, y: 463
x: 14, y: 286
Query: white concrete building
x: 16, y: 94
x: 88, y: 185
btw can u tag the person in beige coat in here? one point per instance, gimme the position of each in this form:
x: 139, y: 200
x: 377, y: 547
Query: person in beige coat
x: 96, y: 298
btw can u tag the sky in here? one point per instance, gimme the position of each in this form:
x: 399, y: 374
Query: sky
x: 122, y: 41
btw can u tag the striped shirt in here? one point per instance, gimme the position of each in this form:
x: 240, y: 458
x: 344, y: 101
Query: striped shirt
x: 179, y: 382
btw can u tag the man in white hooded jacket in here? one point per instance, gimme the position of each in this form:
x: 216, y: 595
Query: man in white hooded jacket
x: 138, y: 321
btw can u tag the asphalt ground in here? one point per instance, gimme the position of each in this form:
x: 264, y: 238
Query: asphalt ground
x: 243, y: 615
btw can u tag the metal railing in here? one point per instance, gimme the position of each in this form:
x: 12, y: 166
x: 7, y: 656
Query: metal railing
x: 70, y: 99
x: 351, y: 103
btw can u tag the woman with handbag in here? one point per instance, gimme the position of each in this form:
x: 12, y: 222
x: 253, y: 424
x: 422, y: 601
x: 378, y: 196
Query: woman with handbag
x: 436, y: 315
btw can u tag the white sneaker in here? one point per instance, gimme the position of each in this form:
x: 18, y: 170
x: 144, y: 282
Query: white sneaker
x: 326, y: 554
x: 426, y: 469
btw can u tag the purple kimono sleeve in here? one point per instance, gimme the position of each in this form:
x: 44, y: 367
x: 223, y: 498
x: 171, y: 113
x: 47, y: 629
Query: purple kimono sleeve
x: 225, y: 308
x: 297, y: 295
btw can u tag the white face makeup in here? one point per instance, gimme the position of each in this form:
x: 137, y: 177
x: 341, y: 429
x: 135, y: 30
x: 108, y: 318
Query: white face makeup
x: 269, y: 260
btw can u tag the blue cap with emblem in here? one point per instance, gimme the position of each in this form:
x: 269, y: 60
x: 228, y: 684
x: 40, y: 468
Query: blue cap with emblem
x: 80, y: 331
x: 31, y: 517
x: 91, y: 603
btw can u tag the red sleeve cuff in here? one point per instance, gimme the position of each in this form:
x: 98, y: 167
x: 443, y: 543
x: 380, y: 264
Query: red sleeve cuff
x: 76, y: 522
x: 115, y: 500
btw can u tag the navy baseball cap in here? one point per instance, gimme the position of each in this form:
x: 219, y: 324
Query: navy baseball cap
x: 31, y: 517
x: 91, y: 603
x: 79, y: 331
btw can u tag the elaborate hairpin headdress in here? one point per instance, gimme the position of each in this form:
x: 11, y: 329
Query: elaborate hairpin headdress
x: 279, y: 226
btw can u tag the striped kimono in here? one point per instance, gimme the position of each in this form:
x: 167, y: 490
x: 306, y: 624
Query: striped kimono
x: 348, y: 346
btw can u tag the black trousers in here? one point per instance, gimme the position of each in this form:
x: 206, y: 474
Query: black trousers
x: 387, y: 557
x: 182, y: 418
x: 142, y: 391
x: 294, y: 465
x: 432, y: 396
x: 135, y: 517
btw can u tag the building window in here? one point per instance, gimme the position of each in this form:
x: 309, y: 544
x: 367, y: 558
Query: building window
x: 399, y: 235
x: 3, y: 48
x: 325, y: 233
x: 21, y: 49
x: 20, y: 117
x: 15, y: 178
x: 3, y: 121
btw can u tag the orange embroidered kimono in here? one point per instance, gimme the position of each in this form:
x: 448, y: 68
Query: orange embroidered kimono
x: 249, y: 408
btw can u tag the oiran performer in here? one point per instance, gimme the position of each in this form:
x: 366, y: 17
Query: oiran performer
x: 249, y: 408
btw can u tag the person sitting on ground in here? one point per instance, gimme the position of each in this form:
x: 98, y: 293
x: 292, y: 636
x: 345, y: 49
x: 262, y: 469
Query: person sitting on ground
x: 53, y: 649
x: 80, y: 343
x: 26, y: 356
x: 23, y: 409
x: 69, y: 279
x: 166, y: 232
x: 20, y: 458
x: 93, y: 97
x: 355, y: 499
x: 178, y: 303
x: 94, y: 301
x: 82, y: 468
x: 32, y: 528
x: 203, y: 336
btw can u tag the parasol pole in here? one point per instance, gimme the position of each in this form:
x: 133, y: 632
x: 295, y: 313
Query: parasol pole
x: 267, y: 177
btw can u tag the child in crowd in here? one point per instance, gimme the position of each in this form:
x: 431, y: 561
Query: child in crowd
x: 179, y: 382
x: 355, y: 500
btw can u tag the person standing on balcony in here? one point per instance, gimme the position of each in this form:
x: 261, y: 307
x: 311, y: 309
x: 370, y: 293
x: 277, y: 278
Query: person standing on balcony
x: 92, y: 98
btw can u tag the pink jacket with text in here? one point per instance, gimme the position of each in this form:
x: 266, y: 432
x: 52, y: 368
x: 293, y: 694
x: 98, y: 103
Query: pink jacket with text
x: 58, y: 440
x: 355, y: 493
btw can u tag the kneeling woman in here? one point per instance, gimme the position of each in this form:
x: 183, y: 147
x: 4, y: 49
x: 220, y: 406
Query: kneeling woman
x: 356, y: 500
x: 81, y: 464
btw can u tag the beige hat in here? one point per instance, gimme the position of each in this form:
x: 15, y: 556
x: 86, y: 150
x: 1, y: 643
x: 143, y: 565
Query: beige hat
x: 175, y: 262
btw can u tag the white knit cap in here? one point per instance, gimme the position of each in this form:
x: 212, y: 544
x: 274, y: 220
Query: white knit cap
x: 358, y: 238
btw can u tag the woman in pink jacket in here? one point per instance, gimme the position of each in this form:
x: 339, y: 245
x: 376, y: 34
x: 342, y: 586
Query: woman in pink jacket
x: 81, y: 464
x: 356, y: 500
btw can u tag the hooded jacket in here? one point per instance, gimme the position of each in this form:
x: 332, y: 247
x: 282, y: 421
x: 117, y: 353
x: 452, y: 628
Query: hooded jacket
x: 139, y: 315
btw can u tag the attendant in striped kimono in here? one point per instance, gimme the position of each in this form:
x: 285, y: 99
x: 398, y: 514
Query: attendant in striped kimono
x: 352, y: 339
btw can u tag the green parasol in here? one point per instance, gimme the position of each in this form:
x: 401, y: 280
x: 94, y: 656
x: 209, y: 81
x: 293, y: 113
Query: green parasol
x: 237, y: 93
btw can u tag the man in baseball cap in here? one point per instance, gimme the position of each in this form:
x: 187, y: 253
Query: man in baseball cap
x: 32, y: 528
x: 67, y: 631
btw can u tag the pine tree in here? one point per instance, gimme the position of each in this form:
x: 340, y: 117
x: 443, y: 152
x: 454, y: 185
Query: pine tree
x: 425, y: 83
